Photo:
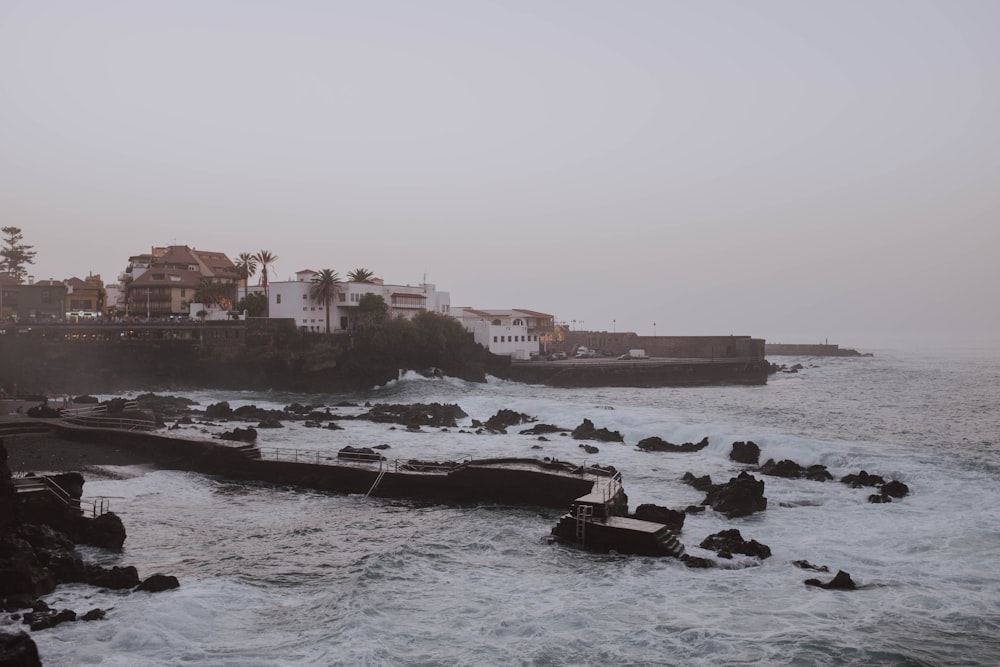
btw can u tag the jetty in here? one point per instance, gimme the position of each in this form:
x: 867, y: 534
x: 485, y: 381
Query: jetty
x: 649, y: 372
x: 594, y: 495
x: 596, y: 522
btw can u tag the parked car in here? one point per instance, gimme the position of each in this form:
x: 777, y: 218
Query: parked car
x: 556, y: 356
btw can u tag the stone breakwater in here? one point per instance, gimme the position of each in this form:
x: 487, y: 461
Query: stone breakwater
x: 654, y: 372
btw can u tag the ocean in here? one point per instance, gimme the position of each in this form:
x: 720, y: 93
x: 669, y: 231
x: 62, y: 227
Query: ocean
x: 282, y: 576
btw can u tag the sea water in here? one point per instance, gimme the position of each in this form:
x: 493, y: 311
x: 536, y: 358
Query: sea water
x: 273, y: 575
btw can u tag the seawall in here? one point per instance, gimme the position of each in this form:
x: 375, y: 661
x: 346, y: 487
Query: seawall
x: 655, y: 372
x: 810, y: 350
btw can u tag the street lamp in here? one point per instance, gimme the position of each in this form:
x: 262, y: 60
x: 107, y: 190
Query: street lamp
x: 614, y: 326
x: 654, y: 329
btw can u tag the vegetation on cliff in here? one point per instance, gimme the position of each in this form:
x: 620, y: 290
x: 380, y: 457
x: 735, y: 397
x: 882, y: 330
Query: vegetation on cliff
x: 292, y: 360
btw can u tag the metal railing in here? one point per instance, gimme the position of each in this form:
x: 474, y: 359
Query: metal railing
x: 99, y: 506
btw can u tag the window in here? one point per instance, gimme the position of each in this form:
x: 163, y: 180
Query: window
x: 303, y: 297
x: 277, y: 298
x: 183, y: 291
x: 494, y: 339
x: 342, y: 296
x: 518, y: 323
x: 495, y: 323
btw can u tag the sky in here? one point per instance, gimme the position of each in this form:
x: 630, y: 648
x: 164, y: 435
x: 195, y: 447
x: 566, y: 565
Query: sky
x: 795, y: 171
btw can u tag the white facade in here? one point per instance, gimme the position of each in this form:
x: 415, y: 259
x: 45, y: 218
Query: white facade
x: 514, y: 333
x: 291, y: 299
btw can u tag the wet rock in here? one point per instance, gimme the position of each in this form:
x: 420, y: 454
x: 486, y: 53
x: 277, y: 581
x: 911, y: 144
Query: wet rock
x: 163, y: 406
x: 219, y: 410
x: 542, y: 429
x: 416, y: 465
x: 841, y: 582
x: 18, y: 650
x: 587, y: 431
x: 95, y: 614
x: 740, y: 496
x: 657, y: 514
x: 862, y: 479
x: 806, y: 565
x: 590, y: 449
x: 657, y: 444
x: 116, y: 578
x: 334, y: 426
x: 745, y: 452
x: 703, y: 483
x: 785, y: 468
x: 106, y: 531
x: 696, y: 562
x: 417, y: 414
x: 895, y: 489
x: 43, y: 620
x: 248, y: 434
x: 156, y: 583
x: 505, y: 418
x: 729, y: 542
x: 270, y: 422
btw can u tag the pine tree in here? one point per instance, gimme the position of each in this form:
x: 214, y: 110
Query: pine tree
x: 15, y: 255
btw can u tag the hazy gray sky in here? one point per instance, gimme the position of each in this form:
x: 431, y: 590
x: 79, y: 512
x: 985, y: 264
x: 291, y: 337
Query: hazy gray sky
x: 790, y: 170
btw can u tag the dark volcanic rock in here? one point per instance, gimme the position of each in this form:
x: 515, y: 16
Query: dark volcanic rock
x: 587, y: 431
x: 416, y: 414
x: 806, y: 565
x: 117, y: 578
x: 590, y: 449
x: 657, y: 514
x: 18, y: 650
x: 841, y: 582
x: 43, y: 620
x: 729, y: 542
x: 862, y: 479
x: 792, y: 470
x: 785, y: 468
x: 219, y: 410
x: 106, y: 531
x: 703, y: 483
x: 745, y: 452
x: 505, y: 418
x: 696, y: 562
x: 657, y: 444
x: 156, y: 583
x: 895, y: 489
x: 542, y: 429
x: 163, y: 406
x: 740, y: 496
x: 94, y: 615
x: 248, y: 434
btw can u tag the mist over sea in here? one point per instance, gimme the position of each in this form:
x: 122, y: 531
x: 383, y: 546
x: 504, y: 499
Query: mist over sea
x: 282, y: 576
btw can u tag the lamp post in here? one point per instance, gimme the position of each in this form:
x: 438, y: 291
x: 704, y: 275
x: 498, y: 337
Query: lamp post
x: 614, y: 326
x: 654, y: 329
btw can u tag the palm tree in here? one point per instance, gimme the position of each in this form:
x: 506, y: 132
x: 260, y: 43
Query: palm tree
x: 266, y: 259
x: 246, y: 267
x: 360, y: 276
x: 325, y: 287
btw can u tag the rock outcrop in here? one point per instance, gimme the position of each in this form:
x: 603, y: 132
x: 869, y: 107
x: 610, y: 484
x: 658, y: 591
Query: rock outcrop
x: 740, y: 496
x: 657, y: 444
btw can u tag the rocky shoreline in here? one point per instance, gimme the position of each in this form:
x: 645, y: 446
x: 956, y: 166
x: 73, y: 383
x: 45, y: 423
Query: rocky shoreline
x: 39, y: 533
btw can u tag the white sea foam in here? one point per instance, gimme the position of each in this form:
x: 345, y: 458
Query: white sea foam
x: 281, y: 576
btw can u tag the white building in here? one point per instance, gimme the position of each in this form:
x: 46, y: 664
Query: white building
x: 516, y: 333
x: 291, y: 299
